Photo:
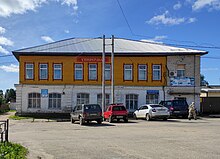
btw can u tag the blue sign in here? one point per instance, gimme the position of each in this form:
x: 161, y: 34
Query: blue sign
x: 182, y: 81
x: 44, y: 93
x: 152, y: 91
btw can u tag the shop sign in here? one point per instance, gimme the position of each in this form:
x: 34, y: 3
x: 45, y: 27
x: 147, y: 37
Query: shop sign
x: 182, y: 81
x: 92, y: 59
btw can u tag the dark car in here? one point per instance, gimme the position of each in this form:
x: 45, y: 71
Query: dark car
x: 177, y: 108
x: 86, y: 112
x: 116, y: 111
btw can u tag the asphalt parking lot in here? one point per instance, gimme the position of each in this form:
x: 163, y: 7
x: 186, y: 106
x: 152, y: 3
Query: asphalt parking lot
x: 175, y: 138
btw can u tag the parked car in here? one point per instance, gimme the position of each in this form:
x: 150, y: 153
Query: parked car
x: 150, y: 111
x: 86, y: 112
x: 178, y: 108
x: 116, y: 111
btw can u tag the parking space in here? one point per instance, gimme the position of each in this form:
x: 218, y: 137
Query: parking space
x: 175, y: 138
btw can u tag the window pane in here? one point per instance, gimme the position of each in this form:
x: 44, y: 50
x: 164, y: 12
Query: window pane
x: 29, y: 71
x: 43, y: 71
x: 78, y: 72
x: 127, y: 72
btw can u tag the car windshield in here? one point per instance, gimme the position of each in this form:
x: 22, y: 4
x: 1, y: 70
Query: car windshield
x: 179, y: 103
x: 118, y: 108
x: 92, y: 108
x: 156, y: 105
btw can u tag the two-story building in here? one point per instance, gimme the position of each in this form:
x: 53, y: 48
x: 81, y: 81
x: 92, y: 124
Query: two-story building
x: 57, y: 76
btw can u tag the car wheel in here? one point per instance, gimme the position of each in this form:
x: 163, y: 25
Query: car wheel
x: 135, y: 117
x: 110, y: 119
x: 81, y: 121
x: 126, y: 120
x: 164, y: 119
x: 72, y: 121
x: 99, y: 121
x: 147, y: 117
x: 118, y: 120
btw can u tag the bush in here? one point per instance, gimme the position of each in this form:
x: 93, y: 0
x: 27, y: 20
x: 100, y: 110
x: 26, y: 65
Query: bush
x: 10, y: 150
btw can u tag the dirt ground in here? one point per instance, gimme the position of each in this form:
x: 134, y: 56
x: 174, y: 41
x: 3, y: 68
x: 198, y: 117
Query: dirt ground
x: 175, y: 138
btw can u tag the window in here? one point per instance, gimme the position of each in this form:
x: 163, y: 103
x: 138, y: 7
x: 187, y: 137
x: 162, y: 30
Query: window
x: 142, y: 72
x: 180, y: 70
x: 54, y: 101
x: 92, y: 71
x: 152, y: 98
x: 107, y: 72
x: 34, y: 100
x: 128, y: 72
x: 99, y: 99
x: 156, y: 72
x: 131, y: 101
x: 43, y: 71
x: 78, y: 72
x: 29, y: 71
x: 82, y: 98
x: 57, y: 71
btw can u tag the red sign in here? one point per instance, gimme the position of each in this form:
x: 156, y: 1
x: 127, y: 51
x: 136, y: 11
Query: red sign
x: 92, y: 59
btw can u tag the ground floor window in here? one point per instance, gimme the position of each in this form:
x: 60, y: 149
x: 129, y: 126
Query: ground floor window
x: 82, y: 98
x: 107, y: 99
x: 54, y: 101
x: 152, y: 98
x: 34, y: 100
x: 131, y: 101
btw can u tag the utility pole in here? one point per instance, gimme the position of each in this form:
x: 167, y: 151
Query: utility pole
x: 103, y: 76
x: 112, y: 72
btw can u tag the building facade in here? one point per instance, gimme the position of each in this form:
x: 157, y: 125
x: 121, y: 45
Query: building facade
x: 55, y: 77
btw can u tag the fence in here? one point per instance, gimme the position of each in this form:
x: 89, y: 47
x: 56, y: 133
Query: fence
x: 4, y: 125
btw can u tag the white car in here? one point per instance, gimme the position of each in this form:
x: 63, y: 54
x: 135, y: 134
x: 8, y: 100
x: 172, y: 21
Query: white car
x: 149, y: 111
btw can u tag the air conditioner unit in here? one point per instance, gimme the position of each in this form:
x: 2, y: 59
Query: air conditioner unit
x: 173, y: 74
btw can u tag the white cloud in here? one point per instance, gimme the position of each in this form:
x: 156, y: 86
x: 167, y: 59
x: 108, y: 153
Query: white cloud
x: 47, y: 39
x: 67, y: 31
x: 10, y: 68
x: 8, y: 7
x: 71, y: 3
x: 177, y: 6
x: 211, y: 4
x: 165, y: 19
x: 2, y: 30
x: 5, y: 41
x: 3, y: 50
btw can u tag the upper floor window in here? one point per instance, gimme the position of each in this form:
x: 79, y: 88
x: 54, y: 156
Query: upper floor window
x: 34, y: 100
x: 29, y: 71
x: 82, y: 98
x: 78, y: 68
x: 128, y: 70
x: 43, y: 71
x: 54, y: 101
x: 156, y: 72
x: 181, y: 70
x: 107, y: 72
x: 57, y: 71
x: 92, y: 71
x: 142, y: 72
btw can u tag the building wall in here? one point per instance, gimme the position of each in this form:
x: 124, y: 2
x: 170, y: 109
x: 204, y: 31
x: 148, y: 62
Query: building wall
x: 68, y: 69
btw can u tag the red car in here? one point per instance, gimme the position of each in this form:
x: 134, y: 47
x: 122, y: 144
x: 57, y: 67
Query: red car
x: 116, y: 111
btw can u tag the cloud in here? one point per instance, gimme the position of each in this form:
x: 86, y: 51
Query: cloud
x: 3, y: 50
x: 2, y: 30
x: 67, y: 31
x: 191, y: 20
x: 10, y: 68
x: 5, y: 41
x: 211, y: 4
x: 72, y: 3
x: 47, y: 39
x: 8, y: 7
x: 177, y: 6
x: 167, y: 20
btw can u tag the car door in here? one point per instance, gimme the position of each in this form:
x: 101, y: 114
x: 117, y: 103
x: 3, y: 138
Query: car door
x: 73, y: 114
x: 107, y: 112
x: 137, y: 113
x: 143, y: 111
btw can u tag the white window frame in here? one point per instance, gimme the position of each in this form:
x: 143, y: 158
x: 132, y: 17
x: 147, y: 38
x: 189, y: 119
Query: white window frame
x: 92, y: 69
x: 128, y: 71
x: 27, y: 69
x: 107, y: 99
x: 107, y: 71
x: 78, y: 67
x: 34, y: 101
x: 82, y: 98
x: 152, y: 98
x: 57, y: 69
x: 142, y: 70
x: 131, y: 101
x: 54, y: 101
x: 43, y: 69
x: 155, y: 71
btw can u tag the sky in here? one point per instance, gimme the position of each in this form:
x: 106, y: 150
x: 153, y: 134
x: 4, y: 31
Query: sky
x: 26, y: 23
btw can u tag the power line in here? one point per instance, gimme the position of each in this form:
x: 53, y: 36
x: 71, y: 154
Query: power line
x: 5, y: 55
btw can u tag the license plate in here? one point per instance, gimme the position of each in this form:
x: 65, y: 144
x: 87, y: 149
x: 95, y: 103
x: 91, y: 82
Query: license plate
x: 176, y: 111
x: 93, y: 114
x: 119, y: 117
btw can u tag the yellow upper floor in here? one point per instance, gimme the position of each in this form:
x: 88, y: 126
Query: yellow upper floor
x: 128, y: 71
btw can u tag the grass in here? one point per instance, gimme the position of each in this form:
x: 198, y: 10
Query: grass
x: 10, y: 150
x: 14, y: 117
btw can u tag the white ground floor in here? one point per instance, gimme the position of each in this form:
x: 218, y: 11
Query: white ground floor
x: 62, y: 98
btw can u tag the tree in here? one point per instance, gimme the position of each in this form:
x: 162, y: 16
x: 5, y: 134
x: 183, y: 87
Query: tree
x: 10, y: 95
x: 203, y: 82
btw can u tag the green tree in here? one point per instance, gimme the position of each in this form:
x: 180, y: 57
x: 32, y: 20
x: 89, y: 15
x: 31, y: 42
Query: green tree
x: 203, y: 82
x: 10, y: 95
x: 1, y: 97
